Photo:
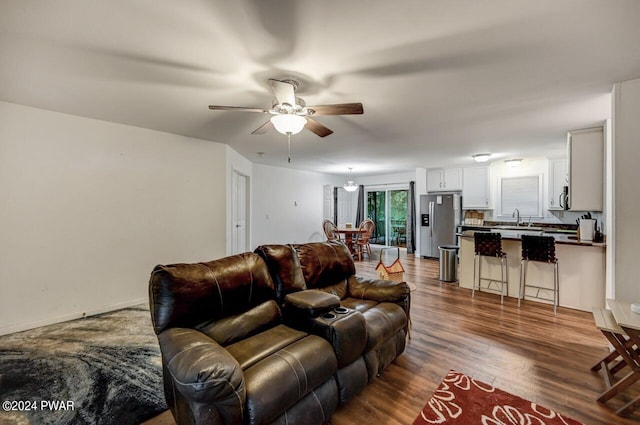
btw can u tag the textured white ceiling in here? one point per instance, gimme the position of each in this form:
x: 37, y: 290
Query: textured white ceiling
x: 439, y: 80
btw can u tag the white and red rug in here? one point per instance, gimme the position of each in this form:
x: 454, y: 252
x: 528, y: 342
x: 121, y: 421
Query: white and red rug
x: 463, y: 400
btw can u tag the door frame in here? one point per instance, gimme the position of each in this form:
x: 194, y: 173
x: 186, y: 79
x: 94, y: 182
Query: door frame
x: 235, y: 202
x: 385, y: 188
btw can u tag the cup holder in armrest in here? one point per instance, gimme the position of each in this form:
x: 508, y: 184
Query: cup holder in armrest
x: 329, y: 316
x: 341, y: 310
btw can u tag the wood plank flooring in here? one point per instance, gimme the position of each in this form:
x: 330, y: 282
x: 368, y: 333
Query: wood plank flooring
x: 525, y: 351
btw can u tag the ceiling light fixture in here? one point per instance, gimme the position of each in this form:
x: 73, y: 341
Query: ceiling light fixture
x: 288, y: 123
x: 350, y: 186
x: 481, y: 157
x: 514, y: 162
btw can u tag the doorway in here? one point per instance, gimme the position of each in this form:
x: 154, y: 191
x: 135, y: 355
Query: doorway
x: 388, y: 209
x: 240, y: 205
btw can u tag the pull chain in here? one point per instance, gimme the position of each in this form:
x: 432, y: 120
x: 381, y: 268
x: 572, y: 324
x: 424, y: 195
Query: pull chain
x: 289, y: 147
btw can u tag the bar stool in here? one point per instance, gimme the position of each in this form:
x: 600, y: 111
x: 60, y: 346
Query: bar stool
x: 541, y: 249
x: 489, y: 244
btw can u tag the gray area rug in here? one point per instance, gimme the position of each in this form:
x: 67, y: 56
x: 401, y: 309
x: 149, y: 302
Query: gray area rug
x: 108, y: 365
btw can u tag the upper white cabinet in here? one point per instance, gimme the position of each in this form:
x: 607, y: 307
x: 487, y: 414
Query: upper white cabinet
x: 558, y: 178
x: 586, y: 169
x: 444, y: 179
x: 475, y: 188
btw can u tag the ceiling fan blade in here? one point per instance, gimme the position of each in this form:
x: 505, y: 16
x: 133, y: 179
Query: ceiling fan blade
x: 238, y: 108
x: 263, y: 128
x: 338, y: 109
x: 285, y: 92
x: 315, y: 127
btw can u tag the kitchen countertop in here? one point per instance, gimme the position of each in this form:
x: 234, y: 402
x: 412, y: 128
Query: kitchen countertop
x: 561, y: 238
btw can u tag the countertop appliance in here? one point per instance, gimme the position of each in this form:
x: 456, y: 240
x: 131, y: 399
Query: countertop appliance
x: 440, y: 216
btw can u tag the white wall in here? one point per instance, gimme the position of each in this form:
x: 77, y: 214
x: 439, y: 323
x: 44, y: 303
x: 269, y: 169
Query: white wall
x: 287, y: 205
x: 90, y: 207
x: 625, y: 234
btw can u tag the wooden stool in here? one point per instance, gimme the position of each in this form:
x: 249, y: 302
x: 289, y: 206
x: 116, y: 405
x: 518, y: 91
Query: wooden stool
x: 625, y: 349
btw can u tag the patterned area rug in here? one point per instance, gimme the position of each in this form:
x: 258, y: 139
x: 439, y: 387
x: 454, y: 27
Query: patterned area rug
x: 464, y: 401
x: 108, y: 366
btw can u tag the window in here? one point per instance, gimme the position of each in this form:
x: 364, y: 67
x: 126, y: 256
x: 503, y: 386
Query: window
x: 523, y: 193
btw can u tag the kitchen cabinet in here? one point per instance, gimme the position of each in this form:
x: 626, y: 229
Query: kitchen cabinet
x: 586, y: 169
x: 475, y: 188
x: 447, y: 179
x: 558, y: 179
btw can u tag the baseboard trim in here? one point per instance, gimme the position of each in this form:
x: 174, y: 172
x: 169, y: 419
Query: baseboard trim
x: 72, y: 316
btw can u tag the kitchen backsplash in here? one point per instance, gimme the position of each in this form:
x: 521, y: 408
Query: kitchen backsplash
x: 551, y: 217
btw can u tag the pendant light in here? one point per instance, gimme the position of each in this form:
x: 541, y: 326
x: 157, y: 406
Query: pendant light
x: 350, y: 185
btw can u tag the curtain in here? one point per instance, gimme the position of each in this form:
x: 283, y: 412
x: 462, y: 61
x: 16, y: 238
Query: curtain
x: 411, y: 218
x: 360, y: 210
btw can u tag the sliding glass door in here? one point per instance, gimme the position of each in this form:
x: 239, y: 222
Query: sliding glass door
x: 388, y: 210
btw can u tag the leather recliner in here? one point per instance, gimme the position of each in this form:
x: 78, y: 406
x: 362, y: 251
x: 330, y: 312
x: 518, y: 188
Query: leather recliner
x: 329, y: 267
x: 227, y: 357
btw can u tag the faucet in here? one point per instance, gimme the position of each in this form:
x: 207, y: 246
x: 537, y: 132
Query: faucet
x: 516, y: 214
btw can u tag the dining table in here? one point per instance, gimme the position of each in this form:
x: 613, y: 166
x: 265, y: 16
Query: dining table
x: 350, y: 235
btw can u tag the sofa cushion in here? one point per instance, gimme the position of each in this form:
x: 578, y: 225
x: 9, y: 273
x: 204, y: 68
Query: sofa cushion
x: 383, y: 321
x: 240, y: 326
x: 280, y: 380
x: 258, y: 347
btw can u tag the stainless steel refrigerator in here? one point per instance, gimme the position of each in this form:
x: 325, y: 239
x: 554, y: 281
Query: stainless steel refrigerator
x: 440, y: 216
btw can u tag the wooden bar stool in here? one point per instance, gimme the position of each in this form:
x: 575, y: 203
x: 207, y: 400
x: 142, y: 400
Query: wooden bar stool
x: 489, y: 244
x: 541, y: 249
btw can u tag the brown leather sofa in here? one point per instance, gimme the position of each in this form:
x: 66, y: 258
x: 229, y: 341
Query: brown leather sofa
x: 329, y: 267
x: 285, y: 340
x: 227, y: 356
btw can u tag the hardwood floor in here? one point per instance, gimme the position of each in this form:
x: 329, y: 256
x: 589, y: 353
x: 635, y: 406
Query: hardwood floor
x: 525, y: 351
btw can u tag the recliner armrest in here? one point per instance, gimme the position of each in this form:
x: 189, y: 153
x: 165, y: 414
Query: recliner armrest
x: 377, y: 290
x: 310, y: 303
x: 204, y: 373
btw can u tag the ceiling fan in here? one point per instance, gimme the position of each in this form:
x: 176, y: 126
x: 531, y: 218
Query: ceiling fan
x: 290, y: 114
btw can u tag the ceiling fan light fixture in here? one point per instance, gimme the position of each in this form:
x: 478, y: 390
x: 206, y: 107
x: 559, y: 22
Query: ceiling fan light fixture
x: 288, y: 123
x: 350, y: 185
x: 481, y: 157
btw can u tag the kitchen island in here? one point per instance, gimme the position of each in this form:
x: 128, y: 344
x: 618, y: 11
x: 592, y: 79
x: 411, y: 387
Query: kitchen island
x: 581, y: 267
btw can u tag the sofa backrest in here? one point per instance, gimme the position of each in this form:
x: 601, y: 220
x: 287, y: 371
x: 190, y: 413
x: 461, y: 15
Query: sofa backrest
x: 325, y: 264
x: 187, y: 295
x: 316, y: 265
x: 283, y: 264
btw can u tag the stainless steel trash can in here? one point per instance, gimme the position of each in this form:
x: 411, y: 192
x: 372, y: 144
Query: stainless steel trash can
x: 448, y: 263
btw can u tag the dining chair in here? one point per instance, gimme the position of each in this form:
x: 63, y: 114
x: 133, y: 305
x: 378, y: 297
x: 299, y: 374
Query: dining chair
x: 362, y: 241
x: 330, y: 230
